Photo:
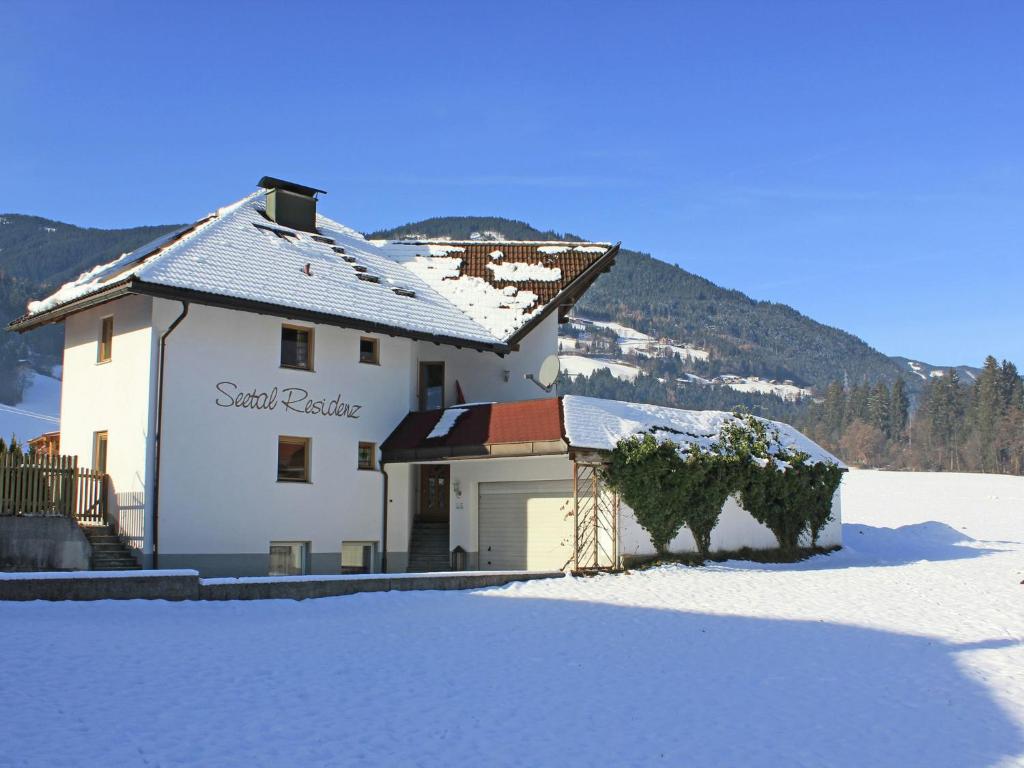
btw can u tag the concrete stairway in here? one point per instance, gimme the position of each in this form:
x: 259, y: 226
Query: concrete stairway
x: 108, y: 551
x: 428, y: 548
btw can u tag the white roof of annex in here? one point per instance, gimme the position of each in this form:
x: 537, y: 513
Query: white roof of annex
x: 597, y: 424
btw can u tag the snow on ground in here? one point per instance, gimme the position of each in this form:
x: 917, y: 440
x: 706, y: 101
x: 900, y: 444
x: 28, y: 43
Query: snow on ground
x: 787, y: 391
x: 578, y: 365
x: 632, y: 341
x: 905, y: 649
x: 38, y: 411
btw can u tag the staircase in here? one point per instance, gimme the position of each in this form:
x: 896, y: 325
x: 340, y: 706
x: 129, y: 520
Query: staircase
x: 428, y: 548
x: 108, y: 551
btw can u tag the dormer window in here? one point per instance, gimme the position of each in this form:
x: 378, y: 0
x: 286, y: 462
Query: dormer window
x: 296, y: 347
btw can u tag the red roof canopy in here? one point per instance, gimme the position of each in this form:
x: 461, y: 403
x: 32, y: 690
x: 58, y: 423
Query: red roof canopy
x: 476, y: 430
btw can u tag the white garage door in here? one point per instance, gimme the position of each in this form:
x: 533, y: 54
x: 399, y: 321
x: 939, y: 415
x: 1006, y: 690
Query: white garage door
x: 525, y: 525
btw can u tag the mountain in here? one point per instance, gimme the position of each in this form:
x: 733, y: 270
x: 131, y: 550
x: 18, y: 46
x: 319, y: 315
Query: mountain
x: 49, y: 253
x: 37, y: 255
x: 741, y: 336
x: 734, y: 350
x: 916, y: 370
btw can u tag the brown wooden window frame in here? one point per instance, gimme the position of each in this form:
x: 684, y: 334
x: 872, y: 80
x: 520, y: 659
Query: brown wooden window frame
x: 307, y: 442
x: 310, y: 346
x: 372, y: 448
x: 100, y: 437
x: 373, y: 359
x: 105, y: 343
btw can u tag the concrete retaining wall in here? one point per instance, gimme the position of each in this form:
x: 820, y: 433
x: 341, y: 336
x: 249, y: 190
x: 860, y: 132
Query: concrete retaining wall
x: 186, y: 585
x: 42, y: 543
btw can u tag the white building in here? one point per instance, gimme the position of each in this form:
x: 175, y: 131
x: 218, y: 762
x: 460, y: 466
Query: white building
x: 238, y: 378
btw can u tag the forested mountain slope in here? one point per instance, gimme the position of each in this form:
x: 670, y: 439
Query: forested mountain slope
x: 37, y: 255
x: 743, y: 336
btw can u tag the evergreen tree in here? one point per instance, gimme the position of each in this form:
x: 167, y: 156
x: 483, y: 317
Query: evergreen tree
x: 878, y: 408
x: 899, y: 409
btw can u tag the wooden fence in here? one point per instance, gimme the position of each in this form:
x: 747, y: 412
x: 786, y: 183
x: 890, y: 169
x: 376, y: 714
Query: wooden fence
x: 38, y: 484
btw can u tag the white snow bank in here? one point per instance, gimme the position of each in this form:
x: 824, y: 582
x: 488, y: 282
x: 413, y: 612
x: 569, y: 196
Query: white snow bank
x: 838, y: 661
x: 49, y: 575
x: 600, y: 424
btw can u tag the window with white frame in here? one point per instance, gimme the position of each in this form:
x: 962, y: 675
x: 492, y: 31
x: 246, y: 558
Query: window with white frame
x: 289, y: 558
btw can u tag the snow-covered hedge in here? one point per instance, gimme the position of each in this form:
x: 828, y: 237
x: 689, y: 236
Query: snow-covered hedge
x: 670, y: 482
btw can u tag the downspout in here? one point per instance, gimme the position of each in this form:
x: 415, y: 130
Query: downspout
x: 384, y: 523
x: 159, y: 433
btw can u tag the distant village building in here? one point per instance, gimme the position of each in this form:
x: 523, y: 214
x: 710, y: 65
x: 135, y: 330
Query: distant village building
x: 271, y: 393
x: 47, y: 443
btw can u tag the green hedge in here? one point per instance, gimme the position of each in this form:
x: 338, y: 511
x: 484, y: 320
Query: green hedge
x: 669, y: 485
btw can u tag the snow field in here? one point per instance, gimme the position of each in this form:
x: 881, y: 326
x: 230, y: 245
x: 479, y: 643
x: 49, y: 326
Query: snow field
x: 905, y: 649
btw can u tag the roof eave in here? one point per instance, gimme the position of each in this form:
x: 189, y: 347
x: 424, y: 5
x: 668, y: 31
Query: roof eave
x: 294, y: 313
x: 58, y: 313
x: 139, y: 287
x: 571, y: 291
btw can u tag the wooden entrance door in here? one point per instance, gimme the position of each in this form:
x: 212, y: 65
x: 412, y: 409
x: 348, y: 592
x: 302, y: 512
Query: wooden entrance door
x: 434, y: 492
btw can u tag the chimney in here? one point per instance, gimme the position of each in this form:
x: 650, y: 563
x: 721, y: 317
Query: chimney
x: 290, y: 204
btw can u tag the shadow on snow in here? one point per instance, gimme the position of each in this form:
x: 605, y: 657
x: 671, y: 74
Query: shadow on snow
x: 493, y: 678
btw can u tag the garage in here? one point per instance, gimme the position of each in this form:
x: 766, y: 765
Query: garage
x: 526, y: 525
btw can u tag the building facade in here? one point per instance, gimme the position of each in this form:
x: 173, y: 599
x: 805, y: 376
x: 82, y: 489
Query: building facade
x: 236, y: 378
x: 269, y: 393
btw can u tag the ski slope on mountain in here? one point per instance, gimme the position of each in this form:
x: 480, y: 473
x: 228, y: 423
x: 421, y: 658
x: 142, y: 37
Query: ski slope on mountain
x: 904, y: 649
x: 38, y: 411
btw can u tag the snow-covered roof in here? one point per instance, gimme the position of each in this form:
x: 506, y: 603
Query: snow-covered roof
x: 596, y: 424
x: 502, y: 285
x: 420, y: 289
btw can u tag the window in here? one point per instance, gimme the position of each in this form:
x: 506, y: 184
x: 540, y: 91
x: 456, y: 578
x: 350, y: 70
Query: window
x: 357, y: 556
x: 367, y: 456
x: 431, y: 386
x: 288, y: 558
x: 296, y: 347
x: 99, y: 451
x: 106, y: 344
x: 293, y: 459
x: 369, y: 350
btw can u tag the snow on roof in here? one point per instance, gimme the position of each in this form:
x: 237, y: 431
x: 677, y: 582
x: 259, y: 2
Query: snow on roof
x: 425, y: 288
x: 522, y: 271
x: 600, y: 424
x: 446, y: 422
x: 503, y: 288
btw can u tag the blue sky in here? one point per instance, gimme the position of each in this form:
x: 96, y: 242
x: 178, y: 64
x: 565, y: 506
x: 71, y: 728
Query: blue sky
x: 863, y: 162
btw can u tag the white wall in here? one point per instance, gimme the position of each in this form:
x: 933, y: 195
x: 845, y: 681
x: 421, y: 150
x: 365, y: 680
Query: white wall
x: 114, y: 397
x: 736, y: 529
x: 481, y: 374
x: 218, y: 488
x: 468, y: 475
x: 219, y: 492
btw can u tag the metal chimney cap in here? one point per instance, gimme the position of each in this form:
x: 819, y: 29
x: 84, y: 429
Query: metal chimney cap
x: 269, y: 182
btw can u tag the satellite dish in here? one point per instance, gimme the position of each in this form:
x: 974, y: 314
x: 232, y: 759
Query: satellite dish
x: 549, y: 370
x: 548, y: 374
